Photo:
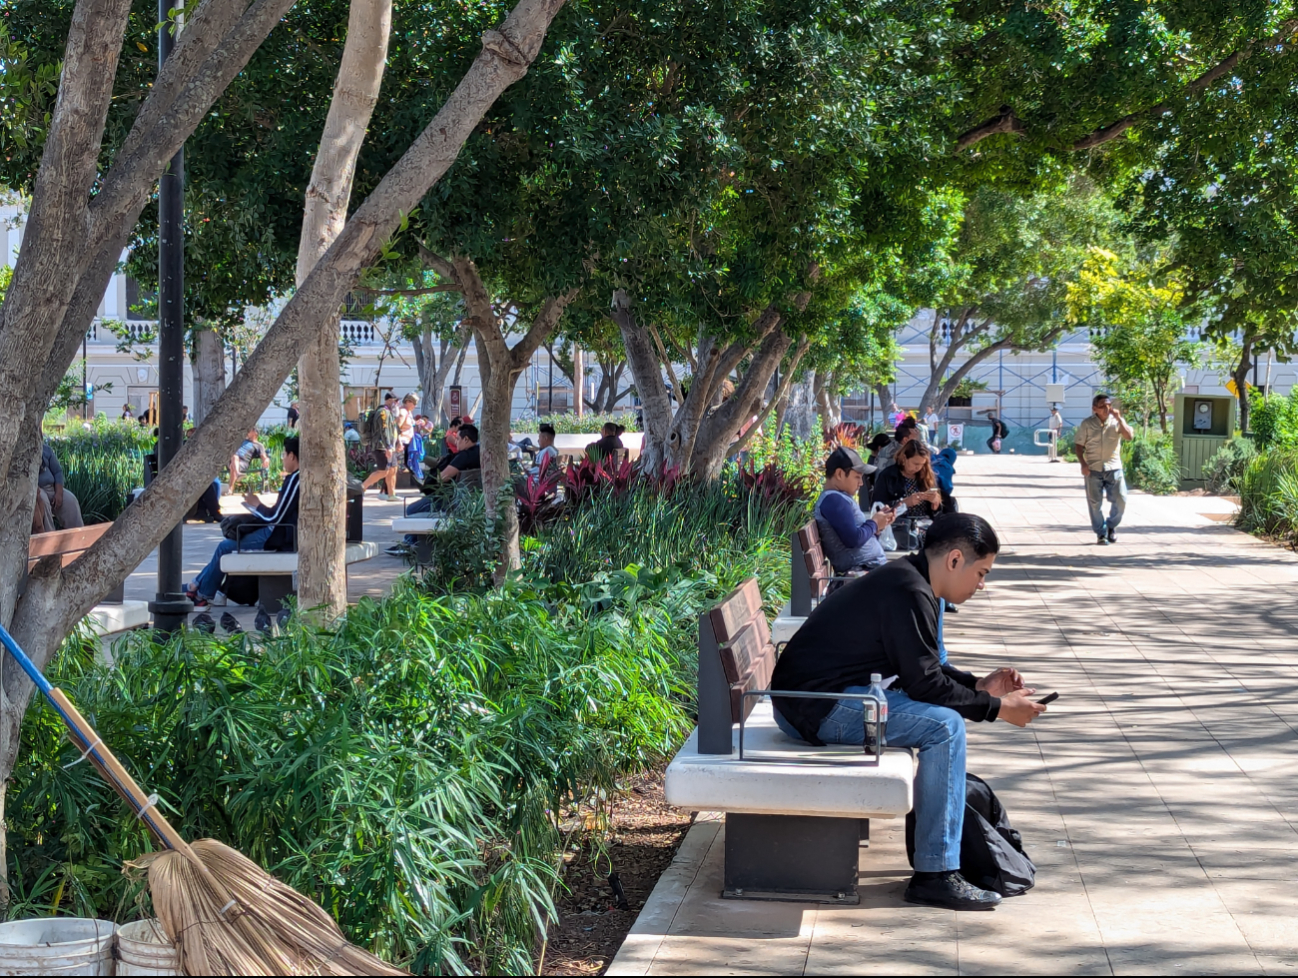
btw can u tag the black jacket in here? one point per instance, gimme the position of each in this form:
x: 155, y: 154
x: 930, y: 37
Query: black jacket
x: 885, y: 622
x: 890, y: 489
x: 281, y: 515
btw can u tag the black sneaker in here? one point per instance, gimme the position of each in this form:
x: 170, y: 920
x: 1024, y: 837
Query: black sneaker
x: 1101, y: 541
x: 950, y: 891
x: 204, y: 623
x: 1113, y: 535
x: 231, y: 624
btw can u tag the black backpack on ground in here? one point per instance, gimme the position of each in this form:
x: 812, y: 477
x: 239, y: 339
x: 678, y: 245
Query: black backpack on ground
x: 991, y: 850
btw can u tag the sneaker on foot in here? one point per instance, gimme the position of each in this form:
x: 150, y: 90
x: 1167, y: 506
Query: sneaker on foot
x: 204, y: 623
x: 1101, y: 541
x: 200, y: 603
x: 219, y: 599
x: 398, y: 550
x: 951, y: 891
x: 1113, y: 535
x: 231, y: 624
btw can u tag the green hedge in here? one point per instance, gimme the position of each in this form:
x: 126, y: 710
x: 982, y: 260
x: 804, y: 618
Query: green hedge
x: 102, y: 464
x: 1150, y: 463
x: 587, y: 424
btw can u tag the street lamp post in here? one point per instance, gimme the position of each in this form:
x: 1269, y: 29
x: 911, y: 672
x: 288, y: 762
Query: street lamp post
x: 170, y: 606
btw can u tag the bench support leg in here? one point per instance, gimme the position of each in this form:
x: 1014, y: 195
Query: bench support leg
x: 792, y: 857
x: 272, y: 589
x: 799, y: 582
x: 423, y: 548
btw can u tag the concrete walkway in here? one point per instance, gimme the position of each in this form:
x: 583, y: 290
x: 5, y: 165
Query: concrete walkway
x: 1158, y: 797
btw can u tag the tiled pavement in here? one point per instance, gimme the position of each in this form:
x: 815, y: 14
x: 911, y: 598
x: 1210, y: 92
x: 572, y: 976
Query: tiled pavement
x: 1159, y: 795
x: 371, y: 577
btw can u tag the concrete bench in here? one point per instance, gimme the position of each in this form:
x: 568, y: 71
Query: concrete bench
x: 574, y: 446
x: 796, y: 815
x: 422, y: 529
x: 276, y: 571
x: 112, y: 615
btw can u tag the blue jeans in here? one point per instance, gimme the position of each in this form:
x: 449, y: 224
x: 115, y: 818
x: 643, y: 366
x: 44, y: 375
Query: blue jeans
x: 208, y: 581
x: 939, y: 734
x: 424, y: 505
x: 1098, y: 486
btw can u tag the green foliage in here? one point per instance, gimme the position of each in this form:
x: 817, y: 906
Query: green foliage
x: 102, y: 464
x: 1222, y: 472
x: 718, y: 531
x: 587, y: 424
x: 1268, y: 495
x: 1150, y: 463
x: 1275, y: 422
x: 802, y: 460
x: 407, y: 770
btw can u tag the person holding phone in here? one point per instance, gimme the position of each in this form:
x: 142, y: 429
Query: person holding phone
x: 1098, y: 444
x: 887, y: 623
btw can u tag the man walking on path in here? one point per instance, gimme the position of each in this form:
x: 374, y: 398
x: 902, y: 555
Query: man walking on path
x: 1056, y: 424
x: 1098, y: 444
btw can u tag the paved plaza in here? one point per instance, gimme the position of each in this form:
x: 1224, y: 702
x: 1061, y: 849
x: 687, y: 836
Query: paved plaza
x: 371, y: 577
x: 1158, y: 797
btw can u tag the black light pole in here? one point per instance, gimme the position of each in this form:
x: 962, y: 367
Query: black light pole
x: 170, y: 606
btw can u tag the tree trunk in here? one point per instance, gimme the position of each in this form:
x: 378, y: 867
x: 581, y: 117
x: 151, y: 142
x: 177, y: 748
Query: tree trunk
x: 209, y: 372
x: 646, y: 373
x: 322, y: 493
x: 59, y: 282
x: 829, y: 403
x: 499, y: 366
x: 1240, y: 377
x: 800, y: 415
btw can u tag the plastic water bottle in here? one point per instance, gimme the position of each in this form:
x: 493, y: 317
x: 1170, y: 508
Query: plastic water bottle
x: 876, y: 734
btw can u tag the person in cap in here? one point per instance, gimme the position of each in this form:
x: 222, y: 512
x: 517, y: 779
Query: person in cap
x: 850, y: 537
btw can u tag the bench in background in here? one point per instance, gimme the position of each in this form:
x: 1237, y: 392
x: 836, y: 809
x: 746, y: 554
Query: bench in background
x: 276, y: 571
x: 795, y: 814
x: 114, y: 613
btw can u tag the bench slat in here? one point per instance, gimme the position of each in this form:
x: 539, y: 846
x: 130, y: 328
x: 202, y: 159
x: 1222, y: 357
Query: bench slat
x: 736, y: 610
x: 72, y: 541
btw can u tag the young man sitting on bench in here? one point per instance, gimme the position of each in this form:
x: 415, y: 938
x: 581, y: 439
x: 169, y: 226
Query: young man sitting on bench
x: 886, y: 623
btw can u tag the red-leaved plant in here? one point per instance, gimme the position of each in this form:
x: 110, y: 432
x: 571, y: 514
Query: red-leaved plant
x: 772, y: 484
x: 607, y: 473
x: 845, y: 435
x: 537, y: 497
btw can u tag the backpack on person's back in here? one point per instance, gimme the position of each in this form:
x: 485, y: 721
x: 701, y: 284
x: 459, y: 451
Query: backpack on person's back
x: 378, y: 429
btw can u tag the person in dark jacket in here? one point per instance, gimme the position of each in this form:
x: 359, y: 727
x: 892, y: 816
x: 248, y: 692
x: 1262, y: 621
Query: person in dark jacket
x: 886, y: 623
x: 273, y: 535
x: 910, y: 481
x: 609, y: 442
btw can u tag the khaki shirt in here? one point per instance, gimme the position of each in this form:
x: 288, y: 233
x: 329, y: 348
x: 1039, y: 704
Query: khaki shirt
x: 1099, y: 444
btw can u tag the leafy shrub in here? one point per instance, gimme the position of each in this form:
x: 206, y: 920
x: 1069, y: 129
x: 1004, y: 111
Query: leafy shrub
x: 408, y: 769
x: 1268, y: 494
x: 1150, y: 463
x: 1227, y: 464
x: 1067, y: 438
x: 102, y: 464
x: 802, y: 460
x: 1274, y: 421
x: 587, y: 424
x: 465, y: 554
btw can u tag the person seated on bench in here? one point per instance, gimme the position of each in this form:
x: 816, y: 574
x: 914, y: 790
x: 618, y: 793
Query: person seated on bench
x: 52, y: 499
x: 547, y: 456
x: 910, y: 481
x: 849, y: 537
x: 449, y: 468
x: 609, y: 442
x: 271, y: 536
x: 242, y: 458
x: 886, y: 623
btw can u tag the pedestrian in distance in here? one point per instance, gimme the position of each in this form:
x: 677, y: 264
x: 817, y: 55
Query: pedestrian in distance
x: 1056, y: 425
x: 1098, y: 444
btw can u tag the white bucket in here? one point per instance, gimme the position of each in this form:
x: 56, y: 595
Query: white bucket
x: 143, y: 949
x: 57, y: 946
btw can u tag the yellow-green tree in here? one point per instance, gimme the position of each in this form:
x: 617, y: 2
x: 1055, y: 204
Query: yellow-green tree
x: 1138, y: 324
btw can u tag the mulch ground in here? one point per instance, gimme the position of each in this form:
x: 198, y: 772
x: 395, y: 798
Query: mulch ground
x: 642, y: 836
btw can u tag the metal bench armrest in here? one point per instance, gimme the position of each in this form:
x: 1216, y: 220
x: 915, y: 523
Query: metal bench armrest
x: 868, y: 715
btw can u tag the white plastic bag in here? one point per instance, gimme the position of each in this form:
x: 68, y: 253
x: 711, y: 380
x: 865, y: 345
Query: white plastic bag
x: 886, y: 539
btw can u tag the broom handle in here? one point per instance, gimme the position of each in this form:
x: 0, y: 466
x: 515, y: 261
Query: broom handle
x: 95, y: 749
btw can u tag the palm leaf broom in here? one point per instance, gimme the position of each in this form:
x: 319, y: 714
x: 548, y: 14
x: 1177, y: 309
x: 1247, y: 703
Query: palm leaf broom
x: 225, y: 914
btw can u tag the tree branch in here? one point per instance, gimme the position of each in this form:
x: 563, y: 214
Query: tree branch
x: 437, y: 263
x: 1004, y: 121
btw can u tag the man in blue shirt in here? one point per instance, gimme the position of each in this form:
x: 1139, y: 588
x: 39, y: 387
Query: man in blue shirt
x: 849, y: 537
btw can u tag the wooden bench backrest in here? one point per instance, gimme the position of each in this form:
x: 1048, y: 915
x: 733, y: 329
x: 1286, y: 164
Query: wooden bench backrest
x: 818, y: 569
x: 68, y: 544
x: 743, y: 646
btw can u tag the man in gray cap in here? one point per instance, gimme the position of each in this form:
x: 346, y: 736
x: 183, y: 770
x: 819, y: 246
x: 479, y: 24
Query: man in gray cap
x: 850, y: 538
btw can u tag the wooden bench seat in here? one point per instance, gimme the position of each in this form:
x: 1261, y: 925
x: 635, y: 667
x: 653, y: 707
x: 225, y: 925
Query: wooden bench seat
x: 276, y: 571
x: 795, y: 814
x: 114, y: 613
